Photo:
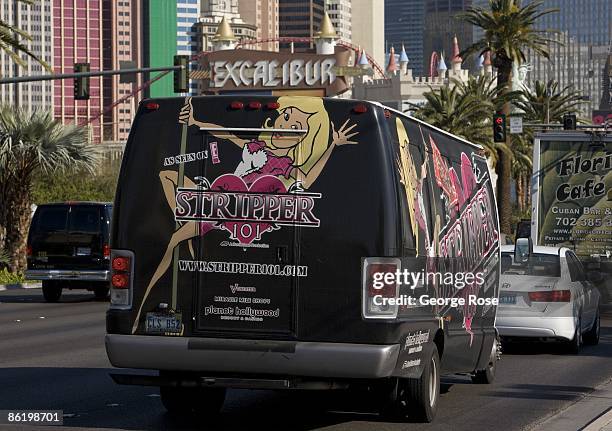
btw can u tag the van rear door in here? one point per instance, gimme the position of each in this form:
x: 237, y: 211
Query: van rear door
x: 245, y: 260
x: 48, y: 237
x: 86, y: 235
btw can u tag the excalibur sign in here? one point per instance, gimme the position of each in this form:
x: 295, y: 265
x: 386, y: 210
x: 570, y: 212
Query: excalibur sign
x: 245, y: 69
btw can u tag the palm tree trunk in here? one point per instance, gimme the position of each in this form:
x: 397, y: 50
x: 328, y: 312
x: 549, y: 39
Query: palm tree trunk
x: 520, y: 193
x: 504, y: 164
x: 17, y: 223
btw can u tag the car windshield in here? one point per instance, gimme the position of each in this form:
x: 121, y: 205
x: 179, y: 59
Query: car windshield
x: 541, y: 265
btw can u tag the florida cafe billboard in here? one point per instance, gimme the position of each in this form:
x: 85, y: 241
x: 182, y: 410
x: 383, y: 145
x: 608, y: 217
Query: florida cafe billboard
x: 572, y: 193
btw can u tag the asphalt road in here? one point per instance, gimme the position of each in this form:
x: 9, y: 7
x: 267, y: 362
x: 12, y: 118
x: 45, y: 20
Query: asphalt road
x: 52, y: 357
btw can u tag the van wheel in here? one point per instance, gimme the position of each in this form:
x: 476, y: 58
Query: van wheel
x: 486, y: 376
x: 592, y: 337
x: 416, y: 398
x: 101, y: 292
x: 52, y: 291
x: 192, y: 401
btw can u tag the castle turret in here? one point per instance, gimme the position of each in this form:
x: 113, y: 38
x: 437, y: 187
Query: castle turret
x: 391, y: 65
x: 442, y: 67
x: 224, y: 38
x: 456, y: 59
x: 363, y: 60
x: 488, y: 66
x: 325, y: 40
x: 403, y: 60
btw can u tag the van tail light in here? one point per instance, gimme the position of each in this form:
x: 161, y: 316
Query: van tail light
x: 29, y: 250
x: 379, y: 284
x: 122, y: 278
x: 106, y: 251
x: 236, y: 105
x: 254, y: 105
x: 272, y: 105
x: 551, y: 296
x: 361, y: 108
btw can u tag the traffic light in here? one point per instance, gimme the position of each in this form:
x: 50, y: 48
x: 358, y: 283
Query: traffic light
x: 181, y: 77
x: 81, y: 85
x: 569, y: 122
x: 499, y: 128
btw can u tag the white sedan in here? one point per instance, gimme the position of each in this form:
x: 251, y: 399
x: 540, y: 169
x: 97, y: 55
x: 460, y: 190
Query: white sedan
x: 547, y: 297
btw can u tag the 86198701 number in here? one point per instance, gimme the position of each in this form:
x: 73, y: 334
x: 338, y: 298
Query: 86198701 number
x: 38, y: 417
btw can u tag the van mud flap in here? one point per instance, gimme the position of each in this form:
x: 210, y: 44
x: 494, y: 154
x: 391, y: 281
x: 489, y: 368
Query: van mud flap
x: 415, y: 351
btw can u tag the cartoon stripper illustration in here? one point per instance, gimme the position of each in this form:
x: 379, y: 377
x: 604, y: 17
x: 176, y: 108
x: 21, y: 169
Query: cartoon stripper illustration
x: 293, y: 158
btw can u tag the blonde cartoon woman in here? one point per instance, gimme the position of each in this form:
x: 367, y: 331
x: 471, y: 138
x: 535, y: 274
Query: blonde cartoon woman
x: 413, y: 187
x: 295, y: 157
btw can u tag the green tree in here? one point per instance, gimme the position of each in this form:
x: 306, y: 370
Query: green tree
x: 33, y: 143
x: 509, y: 33
x: 11, y: 41
x: 464, y: 109
x: 547, y: 103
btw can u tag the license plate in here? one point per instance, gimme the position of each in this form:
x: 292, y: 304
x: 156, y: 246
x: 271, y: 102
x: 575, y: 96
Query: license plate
x: 507, y: 299
x: 163, y: 324
x: 83, y: 251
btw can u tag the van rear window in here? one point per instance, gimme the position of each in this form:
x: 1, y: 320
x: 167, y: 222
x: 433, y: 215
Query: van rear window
x: 85, y: 219
x: 51, y: 219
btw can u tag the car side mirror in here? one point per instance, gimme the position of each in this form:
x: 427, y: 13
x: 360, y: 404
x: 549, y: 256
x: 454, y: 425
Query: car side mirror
x: 523, y: 250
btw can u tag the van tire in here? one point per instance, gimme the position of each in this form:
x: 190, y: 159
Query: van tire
x: 52, y: 291
x: 416, y: 398
x: 101, y: 292
x: 181, y: 401
x: 487, y: 376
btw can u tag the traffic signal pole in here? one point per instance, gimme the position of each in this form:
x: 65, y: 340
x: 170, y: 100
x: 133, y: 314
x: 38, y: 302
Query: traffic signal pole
x: 88, y: 74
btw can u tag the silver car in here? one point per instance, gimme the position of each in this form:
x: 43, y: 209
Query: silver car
x: 547, y: 296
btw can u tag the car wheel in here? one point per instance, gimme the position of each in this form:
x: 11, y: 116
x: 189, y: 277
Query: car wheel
x: 576, y: 342
x: 486, y: 376
x: 52, y: 291
x: 592, y: 337
x: 181, y: 401
x: 416, y: 398
x: 101, y: 292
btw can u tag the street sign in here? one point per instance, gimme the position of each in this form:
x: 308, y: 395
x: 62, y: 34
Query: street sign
x: 127, y: 78
x: 516, y: 125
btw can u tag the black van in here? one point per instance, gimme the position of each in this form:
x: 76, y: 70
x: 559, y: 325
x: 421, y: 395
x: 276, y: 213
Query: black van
x: 251, y: 234
x: 69, y: 248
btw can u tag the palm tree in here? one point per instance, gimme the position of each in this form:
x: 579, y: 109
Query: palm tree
x: 32, y: 143
x: 548, y: 103
x: 11, y: 42
x: 509, y: 33
x: 545, y: 104
x: 464, y: 109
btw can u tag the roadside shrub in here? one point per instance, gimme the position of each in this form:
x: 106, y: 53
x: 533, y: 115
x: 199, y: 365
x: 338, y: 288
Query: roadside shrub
x: 78, y: 186
x: 7, y: 277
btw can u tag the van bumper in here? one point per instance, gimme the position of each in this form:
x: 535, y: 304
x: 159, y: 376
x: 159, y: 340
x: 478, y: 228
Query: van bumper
x: 64, y: 274
x: 284, y: 358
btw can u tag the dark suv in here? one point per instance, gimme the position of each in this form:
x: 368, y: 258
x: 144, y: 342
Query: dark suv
x: 68, y: 247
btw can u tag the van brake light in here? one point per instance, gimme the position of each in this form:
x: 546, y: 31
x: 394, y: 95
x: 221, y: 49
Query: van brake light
x: 122, y: 268
x: 152, y: 106
x: 121, y: 281
x: 106, y: 251
x: 29, y: 250
x: 379, y: 287
x: 236, y: 105
x: 121, y: 263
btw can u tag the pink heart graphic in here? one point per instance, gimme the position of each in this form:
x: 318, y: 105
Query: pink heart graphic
x: 232, y: 183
